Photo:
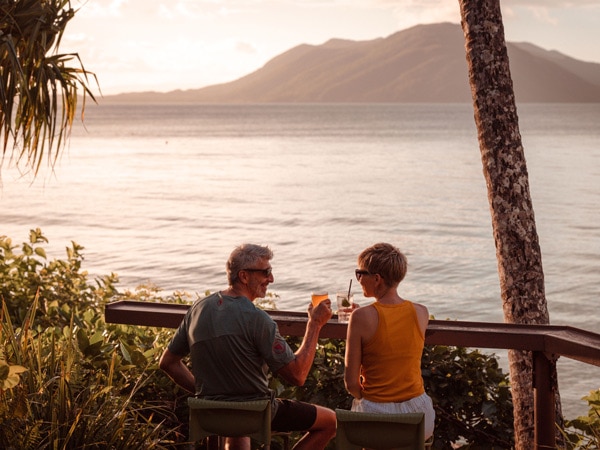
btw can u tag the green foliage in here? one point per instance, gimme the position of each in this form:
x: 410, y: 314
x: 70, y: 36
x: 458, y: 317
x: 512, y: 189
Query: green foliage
x: 64, y: 401
x: 472, y: 398
x: 61, y: 286
x: 82, y: 384
x: 69, y: 380
x: 325, y: 382
x: 38, y: 86
x: 583, y: 432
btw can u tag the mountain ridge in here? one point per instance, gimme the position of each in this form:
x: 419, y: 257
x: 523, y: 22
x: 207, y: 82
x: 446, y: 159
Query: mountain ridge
x: 422, y: 64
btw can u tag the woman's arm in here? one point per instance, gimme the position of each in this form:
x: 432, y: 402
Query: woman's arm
x: 422, y: 317
x: 361, y: 329
x: 353, y: 358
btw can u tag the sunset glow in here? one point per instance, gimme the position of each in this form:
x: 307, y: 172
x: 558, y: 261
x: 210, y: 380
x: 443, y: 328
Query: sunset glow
x: 140, y: 45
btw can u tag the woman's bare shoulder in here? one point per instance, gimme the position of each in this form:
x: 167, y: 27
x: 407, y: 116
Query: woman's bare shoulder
x: 420, y: 308
x: 422, y: 316
x: 363, y: 323
x: 364, y: 316
x: 366, y: 311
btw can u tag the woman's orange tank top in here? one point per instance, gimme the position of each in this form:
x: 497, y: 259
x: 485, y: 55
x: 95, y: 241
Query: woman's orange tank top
x: 391, y: 361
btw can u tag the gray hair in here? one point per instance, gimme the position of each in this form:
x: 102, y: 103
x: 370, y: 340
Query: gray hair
x: 245, y: 256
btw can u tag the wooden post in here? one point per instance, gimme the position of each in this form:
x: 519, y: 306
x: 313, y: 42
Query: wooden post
x: 544, y: 372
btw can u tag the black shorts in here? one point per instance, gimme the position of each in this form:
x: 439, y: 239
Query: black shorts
x: 293, y: 415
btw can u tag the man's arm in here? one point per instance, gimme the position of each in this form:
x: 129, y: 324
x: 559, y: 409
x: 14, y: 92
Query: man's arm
x: 296, y: 371
x: 174, y: 367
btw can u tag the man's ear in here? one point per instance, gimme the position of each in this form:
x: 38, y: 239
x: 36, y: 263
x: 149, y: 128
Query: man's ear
x: 243, y: 276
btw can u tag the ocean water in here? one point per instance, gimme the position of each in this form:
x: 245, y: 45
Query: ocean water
x: 163, y: 193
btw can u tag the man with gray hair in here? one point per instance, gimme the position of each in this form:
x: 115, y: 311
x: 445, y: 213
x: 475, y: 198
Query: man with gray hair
x: 232, y: 344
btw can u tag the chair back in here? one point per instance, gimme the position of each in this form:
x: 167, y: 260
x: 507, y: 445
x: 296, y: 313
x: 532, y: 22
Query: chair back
x: 357, y: 430
x: 230, y: 419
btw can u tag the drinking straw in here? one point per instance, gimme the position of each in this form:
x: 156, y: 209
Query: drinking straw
x: 349, y: 287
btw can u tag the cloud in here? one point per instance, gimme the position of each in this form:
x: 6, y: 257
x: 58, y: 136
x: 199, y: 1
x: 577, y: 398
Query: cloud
x: 412, y: 12
x: 546, y: 11
x: 245, y: 47
x: 93, y: 9
x: 186, y: 10
x: 542, y: 14
x: 432, y: 4
x: 552, y: 4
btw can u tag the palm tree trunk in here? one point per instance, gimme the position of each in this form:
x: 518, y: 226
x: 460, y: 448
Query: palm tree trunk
x: 505, y: 171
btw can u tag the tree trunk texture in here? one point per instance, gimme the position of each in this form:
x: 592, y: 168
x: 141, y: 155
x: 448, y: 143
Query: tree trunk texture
x: 505, y: 171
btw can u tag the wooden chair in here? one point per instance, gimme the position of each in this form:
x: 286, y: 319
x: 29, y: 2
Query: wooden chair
x: 357, y: 430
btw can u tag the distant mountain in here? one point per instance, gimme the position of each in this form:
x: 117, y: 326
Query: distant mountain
x: 425, y: 63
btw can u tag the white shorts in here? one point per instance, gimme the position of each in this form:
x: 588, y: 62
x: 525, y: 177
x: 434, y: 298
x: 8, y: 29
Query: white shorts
x: 422, y: 403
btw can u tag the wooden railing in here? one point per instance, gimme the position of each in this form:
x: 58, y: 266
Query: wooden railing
x: 546, y: 342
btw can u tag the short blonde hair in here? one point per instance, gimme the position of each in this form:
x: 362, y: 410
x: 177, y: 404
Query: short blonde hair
x: 386, y: 260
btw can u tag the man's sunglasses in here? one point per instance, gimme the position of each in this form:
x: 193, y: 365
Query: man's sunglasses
x: 265, y: 272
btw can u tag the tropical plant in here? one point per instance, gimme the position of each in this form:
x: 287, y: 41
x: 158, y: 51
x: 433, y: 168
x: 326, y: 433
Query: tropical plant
x: 38, y: 85
x: 70, y: 380
x: 472, y: 398
x: 583, y: 433
x: 62, y: 288
x: 67, y: 398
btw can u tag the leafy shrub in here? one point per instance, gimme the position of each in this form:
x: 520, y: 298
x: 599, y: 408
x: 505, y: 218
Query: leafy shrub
x: 61, y: 287
x: 583, y: 432
x: 63, y: 401
x: 471, y: 396
x: 86, y: 384
x: 94, y: 385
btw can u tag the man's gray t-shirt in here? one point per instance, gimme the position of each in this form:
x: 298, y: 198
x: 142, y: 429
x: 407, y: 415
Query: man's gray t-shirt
x: 232, y: 345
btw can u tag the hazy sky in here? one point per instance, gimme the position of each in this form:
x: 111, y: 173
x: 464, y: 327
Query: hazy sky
x: 161, y: 45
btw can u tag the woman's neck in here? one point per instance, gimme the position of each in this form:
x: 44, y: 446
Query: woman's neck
x: 390, y: 297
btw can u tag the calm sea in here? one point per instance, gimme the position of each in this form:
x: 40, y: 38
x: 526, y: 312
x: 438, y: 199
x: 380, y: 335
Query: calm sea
x: 162, y: 194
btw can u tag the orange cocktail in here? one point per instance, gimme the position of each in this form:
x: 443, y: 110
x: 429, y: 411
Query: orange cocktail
x: 318, y: 297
